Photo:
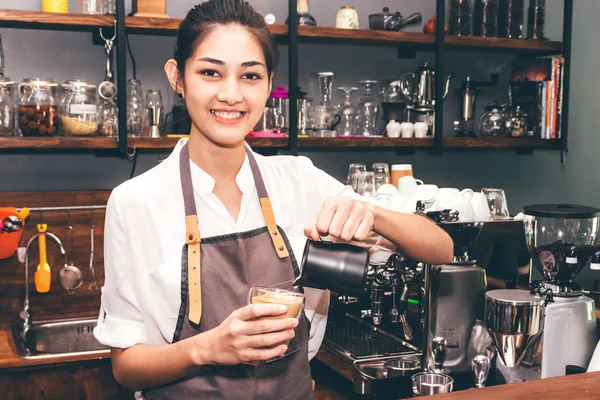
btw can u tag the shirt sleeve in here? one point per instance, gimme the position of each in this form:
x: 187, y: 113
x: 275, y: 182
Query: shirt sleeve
x: 121, y: 322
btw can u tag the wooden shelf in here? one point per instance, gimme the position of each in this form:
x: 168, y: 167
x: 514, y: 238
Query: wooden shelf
x: 341, y: 142
x: 319, y: 34
x: 57, y: 142
x: 169, y: 143
x: 44, y: 20
x: 502, y: 142
x: 503, y: 44
x: 169, y: 26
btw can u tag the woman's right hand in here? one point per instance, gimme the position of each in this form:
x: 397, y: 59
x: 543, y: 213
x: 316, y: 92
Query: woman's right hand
x: 246, y: 336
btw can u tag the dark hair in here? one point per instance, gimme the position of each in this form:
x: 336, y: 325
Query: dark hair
x: 205, y: 17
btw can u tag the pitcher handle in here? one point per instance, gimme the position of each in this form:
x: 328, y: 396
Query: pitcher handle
x: 467, y: 193
x: 407, y: 80
x: 419, y: 182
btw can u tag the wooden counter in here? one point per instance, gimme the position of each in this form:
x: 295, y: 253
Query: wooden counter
x: 579, y: 387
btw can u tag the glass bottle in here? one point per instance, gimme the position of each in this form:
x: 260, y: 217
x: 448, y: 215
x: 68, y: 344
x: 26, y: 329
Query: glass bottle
x: 536, y: 19
x: 368, y: 108
x: 108, y: 7
x: 7, y: 107
x: 135, y: 108
x: 38, y: 107
x: 154, y: 111
x: 459, y: 17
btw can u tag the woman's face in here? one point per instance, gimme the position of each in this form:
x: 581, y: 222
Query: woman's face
x: 226, y: 85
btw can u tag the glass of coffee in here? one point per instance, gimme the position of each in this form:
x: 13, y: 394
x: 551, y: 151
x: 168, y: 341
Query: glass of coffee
x: 291, y: 297
x: 399, y: 171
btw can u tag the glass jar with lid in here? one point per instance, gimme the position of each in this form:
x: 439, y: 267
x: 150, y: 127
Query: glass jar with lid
x: 38, y: 107
x: 493, y: 121
x: 7, y: 107
x: 80, y: 115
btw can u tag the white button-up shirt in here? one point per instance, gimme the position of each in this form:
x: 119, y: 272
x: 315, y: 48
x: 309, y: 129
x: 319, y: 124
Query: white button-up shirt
x: 145, y: 234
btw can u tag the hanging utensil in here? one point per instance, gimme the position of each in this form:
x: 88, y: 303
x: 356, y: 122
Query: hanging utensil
x: 42, y: 274
x: 92, y: 285
x: 69, y: 276
x: 107, y: 88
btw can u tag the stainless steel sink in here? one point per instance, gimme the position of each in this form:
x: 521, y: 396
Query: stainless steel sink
x: 59, y: 338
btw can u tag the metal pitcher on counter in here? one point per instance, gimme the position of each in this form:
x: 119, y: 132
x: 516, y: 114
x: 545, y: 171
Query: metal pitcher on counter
x: 419, y: 87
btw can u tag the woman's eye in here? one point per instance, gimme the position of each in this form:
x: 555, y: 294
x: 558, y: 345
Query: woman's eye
x: 251, y: 77
x: 210, y: 72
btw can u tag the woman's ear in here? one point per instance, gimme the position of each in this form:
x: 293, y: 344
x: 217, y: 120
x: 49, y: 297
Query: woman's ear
x: 174, y: 77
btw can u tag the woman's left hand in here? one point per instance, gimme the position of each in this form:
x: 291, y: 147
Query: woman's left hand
x: 342, y: 217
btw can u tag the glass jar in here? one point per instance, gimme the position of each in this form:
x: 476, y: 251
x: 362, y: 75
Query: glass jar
x: 536, y: 19
x: 459, y: 17
x: 515, y: 18
x: 90, y: 6
x: 7, y: 107
x: 489, y: 18
x: 80, y: 114
x: 108, y: 118
x: 493, y: 121
x: 135, y: 108
x: 280, y: 105
x: 518, y: 123
x: 38, y: 107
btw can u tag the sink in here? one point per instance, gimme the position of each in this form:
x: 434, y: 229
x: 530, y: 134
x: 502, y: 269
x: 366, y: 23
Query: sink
x: 59, y: 338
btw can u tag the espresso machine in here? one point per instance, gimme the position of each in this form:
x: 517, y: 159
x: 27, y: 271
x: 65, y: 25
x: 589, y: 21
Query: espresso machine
x: 537, y: 334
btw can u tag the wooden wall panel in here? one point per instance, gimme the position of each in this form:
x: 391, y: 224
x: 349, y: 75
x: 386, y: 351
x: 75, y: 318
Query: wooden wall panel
x: 57, y: 303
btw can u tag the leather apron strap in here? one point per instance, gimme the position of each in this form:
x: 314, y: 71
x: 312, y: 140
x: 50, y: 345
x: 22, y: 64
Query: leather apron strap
x: 192, y: 231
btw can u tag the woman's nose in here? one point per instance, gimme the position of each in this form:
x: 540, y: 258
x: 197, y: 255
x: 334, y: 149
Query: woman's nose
x: 230, y: 92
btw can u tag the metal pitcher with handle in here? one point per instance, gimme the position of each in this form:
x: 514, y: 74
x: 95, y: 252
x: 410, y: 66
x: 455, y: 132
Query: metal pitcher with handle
x: 419, y: 87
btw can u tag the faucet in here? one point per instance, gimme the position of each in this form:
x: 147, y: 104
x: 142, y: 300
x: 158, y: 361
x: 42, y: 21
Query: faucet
x: 25, y: 315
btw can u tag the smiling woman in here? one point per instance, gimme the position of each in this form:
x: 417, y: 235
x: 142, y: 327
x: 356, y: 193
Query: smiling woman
x: 175, y: 301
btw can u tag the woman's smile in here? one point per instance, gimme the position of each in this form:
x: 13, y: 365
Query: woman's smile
x: 228, y: 116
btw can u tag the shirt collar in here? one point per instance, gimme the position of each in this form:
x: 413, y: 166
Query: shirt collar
x: 205, y: 183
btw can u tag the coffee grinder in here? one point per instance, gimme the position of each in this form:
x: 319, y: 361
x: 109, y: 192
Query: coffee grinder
x: 537, y: 334
x: 467, y: 94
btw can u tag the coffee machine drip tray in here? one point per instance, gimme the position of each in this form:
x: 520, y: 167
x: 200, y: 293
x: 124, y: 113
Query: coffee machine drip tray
x: 355, y: 339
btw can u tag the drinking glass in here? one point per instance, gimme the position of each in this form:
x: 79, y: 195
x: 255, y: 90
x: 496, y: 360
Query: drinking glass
x: 365, y: 184
x: 353, y: 172
x: 368, y: 108
x: 496, y: 199
x: 283, y: 294
x: 348, y: 125
x: 382, y: 174
x: 135, y: 107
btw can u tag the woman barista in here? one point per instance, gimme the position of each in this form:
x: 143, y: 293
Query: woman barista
x: 176, y: 319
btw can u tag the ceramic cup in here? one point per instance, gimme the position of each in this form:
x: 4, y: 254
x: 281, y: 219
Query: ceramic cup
x: 480, y: 206
x: 407, y: 185
x: 408, y: 130
x: 421, y: 129
x: 393, y: 129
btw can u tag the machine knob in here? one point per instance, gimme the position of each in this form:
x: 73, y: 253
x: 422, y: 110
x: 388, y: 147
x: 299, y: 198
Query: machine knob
x: 481, y: 369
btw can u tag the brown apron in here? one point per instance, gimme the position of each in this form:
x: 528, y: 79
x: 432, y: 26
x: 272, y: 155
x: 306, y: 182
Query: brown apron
x: 230, y: 265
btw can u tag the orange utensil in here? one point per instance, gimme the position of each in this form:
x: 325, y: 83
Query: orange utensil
x: 43, y: 272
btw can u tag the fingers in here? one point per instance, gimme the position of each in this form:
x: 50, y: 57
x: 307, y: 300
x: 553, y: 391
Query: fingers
x: 253, y: 311
x: 344, y: 218
x: 266, y: 340
x: 312, y: 232
x: 269, y: 325
x: 252, y: 355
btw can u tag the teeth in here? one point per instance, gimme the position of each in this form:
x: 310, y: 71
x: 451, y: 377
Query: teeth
x: 226, y: 115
